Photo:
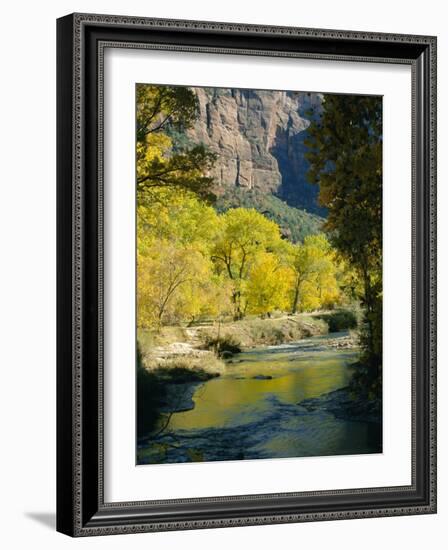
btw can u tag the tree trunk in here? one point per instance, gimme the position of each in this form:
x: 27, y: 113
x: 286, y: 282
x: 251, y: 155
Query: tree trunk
x: 295, y: 302
x: 238, y: 313
x: 369, y: 302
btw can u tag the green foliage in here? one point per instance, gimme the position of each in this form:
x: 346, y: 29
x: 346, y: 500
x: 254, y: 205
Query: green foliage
x: 180, y: 140
x: 346, y: 162
x: 160, y: 108
x: 342, y: 319
x: 295, y: 224
x: 222, y: 345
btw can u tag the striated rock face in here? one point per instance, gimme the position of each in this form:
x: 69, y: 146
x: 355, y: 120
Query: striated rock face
x: 258, y: 137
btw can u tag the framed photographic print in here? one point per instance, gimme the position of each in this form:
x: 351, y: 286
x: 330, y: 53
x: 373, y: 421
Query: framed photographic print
x: 246, y: 274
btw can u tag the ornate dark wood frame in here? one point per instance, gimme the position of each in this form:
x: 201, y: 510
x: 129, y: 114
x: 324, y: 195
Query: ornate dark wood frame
x: 81, y: 39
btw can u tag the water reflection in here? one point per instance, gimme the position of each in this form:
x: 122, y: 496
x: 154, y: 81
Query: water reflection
x: 252, y: 410
x: 238, y: 397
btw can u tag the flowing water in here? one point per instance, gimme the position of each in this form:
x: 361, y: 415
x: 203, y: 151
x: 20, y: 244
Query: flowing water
x: 253, y: 410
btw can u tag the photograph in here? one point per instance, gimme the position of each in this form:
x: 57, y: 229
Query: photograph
x: 259, y: 287
x: 246, y: 224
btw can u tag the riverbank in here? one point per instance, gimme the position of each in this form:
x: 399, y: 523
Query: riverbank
x: 271, y: 402
x: 174, y: 361
x: 346, y: 404
x: 195, y: 348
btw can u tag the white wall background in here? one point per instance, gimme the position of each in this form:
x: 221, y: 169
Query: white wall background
x: 27, y: 289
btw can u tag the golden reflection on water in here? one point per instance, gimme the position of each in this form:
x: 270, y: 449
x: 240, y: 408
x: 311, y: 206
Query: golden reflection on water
x: 237, y: 398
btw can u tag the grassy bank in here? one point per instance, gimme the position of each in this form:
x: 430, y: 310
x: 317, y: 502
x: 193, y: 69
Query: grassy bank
x: 247, y: 333
x: 266, y: 332
x: 172, y: 360
x: 201, y: 350
x: 203, y: 347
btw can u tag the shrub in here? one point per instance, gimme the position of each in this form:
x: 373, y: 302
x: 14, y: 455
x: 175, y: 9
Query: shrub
x: 342, y: 319
x: 222, y: 345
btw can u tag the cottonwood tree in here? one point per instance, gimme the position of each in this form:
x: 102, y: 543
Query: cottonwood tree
x: 175, y: 273
x: 267, y: 285
x: 169, y: 277
x: 313, y: 274
x: 244, y: 235
x: 345, y: 156
x: 158, y: 164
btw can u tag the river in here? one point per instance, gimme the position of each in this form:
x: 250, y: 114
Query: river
x: 253, y: 410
